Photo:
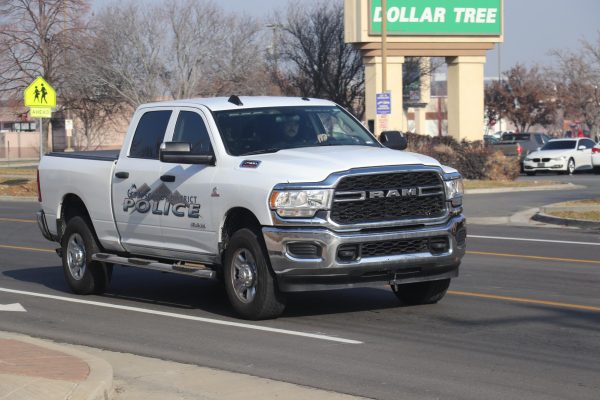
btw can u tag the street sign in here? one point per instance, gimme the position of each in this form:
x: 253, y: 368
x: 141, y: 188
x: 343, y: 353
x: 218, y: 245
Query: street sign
x: 437, y: 17
x: 40, y: 112
x: 383, y: 103
x: 40, y: 94
x: 69, y: 124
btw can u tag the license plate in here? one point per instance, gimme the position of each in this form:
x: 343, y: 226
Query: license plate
x: 541, y: 165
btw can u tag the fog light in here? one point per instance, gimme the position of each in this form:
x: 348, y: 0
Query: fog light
x: 348, y: 252
x: 306, y: 250
x: 438, y: 245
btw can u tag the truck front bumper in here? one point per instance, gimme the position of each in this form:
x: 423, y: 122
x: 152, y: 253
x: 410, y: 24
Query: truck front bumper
x: 317, y: 258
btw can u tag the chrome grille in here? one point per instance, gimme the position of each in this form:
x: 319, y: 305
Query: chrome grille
x: 359, y: 208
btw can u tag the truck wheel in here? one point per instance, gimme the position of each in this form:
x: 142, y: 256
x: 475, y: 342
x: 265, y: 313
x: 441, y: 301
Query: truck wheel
x: 597, y: 170
x: 421, y: 292
x: 83, y: 275
x: 249, y: 280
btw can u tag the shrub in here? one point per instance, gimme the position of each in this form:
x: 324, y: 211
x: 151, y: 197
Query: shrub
x: 474, y: 160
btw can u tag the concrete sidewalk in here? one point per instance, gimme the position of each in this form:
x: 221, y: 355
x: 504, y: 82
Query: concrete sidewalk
x: 33, y: 369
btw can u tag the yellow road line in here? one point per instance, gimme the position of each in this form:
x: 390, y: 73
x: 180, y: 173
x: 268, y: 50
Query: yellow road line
x: 524, y: 300
x: 4, y: 246
x: 573, y: 260
x: 29, y: 221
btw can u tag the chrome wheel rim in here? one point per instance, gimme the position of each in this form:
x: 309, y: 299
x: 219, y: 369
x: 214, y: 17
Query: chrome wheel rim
x: 571, y: 166
x: 243, y: 275
x: 76, y: 256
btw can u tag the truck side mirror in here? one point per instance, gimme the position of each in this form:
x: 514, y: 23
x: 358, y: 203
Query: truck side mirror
x: 181, y: 153
x: 393, y: 140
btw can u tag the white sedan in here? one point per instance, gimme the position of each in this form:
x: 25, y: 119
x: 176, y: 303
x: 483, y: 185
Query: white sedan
x: 561, y: 155
x: 596, y: 158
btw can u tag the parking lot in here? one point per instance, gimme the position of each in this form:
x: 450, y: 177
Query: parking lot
x: 521, y: 320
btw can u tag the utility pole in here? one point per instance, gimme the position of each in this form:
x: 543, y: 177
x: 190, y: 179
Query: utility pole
x: 500, y: 81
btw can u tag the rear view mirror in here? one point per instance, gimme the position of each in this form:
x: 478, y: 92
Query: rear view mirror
x: 181, y: 153
x: 393, y: 140
x: 581, y: 147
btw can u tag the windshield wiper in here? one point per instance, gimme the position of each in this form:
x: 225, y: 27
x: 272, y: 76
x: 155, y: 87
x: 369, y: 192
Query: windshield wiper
x: 262, y: 151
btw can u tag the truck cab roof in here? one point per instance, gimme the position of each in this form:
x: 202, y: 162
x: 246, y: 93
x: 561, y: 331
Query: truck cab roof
x: 229, y: 103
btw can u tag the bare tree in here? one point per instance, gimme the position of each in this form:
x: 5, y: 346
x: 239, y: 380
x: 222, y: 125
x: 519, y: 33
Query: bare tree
x: 35, y: 38
x: 125, y: 53
x: 524, y: 97
x: 314, y: 58
x: 241, y: 67
x: 194, y: 33
x: 577, y: 84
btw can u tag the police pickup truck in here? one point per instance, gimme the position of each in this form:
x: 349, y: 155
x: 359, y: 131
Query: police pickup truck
x: 268, y: 194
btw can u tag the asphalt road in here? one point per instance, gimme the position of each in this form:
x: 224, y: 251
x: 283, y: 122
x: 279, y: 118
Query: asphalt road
x: 505, y: 204
x: 522, y: 320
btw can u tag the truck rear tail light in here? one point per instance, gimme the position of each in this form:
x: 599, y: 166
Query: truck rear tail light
x: 519, y: 149
x: 595, y: 149
x: 38, y: 186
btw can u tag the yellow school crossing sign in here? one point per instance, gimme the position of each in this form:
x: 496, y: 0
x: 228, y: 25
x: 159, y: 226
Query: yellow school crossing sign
x: 40, y: 97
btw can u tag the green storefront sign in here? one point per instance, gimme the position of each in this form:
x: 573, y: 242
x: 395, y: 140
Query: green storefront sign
x: 438, y: 17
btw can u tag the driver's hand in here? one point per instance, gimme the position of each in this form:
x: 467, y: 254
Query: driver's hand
x: 322, y: 137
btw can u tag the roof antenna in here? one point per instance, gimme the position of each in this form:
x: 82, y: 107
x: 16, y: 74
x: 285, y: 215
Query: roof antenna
x: 305, y: 99
x: 235, y: 100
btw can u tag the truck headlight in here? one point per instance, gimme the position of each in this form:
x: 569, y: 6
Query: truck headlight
x: 300, y: 203
x: 455, y: 190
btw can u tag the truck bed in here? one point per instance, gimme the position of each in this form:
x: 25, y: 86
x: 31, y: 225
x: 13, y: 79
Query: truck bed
x: 87, y: 175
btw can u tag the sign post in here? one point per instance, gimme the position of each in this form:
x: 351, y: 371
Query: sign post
x: 40, y: 97
x: 69, y: 131
x: 383, y: 102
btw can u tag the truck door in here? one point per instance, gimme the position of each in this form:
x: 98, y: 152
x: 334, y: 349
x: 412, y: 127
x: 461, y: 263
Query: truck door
x: 189, y: 228
x: 137, y: 190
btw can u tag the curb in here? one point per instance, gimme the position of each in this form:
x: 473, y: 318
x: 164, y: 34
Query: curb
x: 578, y: 223
x: 567, y: 186
x: 99, y: 383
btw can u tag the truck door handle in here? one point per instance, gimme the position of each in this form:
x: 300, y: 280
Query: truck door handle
x: 122, y: 175
x: 167, y: 178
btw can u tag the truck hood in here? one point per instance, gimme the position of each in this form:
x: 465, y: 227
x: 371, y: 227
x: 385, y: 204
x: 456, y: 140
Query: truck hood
x: 314, y: 164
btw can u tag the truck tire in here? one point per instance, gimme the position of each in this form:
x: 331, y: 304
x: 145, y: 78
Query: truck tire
x: 412, y: 294
x: 597, y: 170
x: 83, y: 275
x: 249, y: 281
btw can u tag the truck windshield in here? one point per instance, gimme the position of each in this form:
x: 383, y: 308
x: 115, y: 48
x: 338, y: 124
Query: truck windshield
x: 268, y: 130
x: 560, y: 145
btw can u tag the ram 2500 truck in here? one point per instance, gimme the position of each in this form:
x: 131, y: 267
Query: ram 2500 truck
x: 269, y: 194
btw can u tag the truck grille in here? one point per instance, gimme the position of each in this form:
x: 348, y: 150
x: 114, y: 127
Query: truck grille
x: 434, y: 245
x: 368, y: 198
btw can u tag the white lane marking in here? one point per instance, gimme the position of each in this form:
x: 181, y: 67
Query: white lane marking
x: 533, y: 240
x: 183, y: 316
x: 12, y: 307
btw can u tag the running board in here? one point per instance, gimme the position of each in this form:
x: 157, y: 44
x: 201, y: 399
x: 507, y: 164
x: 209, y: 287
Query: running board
x: 192, y: 269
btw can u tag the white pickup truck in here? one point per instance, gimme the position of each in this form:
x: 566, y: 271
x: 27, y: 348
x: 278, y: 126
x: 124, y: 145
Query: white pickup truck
x: 269, y: 194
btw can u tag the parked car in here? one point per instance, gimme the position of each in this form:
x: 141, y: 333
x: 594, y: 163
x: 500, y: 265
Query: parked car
x: 270, y: 194
x: 520, y: 144
x: 561, y: 155
x: 596, y: 158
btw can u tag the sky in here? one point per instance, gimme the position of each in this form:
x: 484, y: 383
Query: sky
x: 532, y: 28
